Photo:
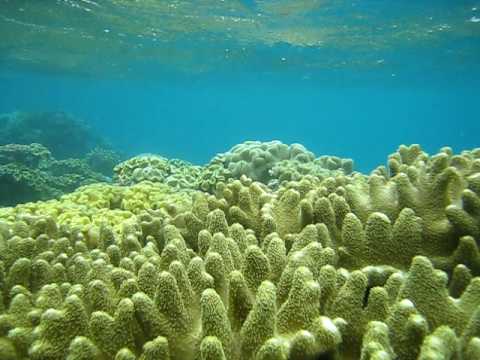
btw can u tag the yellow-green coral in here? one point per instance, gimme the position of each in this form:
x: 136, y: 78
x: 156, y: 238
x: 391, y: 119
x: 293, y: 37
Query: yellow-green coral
x: 274, y: 162
x: 271, y: 163
x: 93, y: 207
x: 154, y: 168
x: 384, y: 266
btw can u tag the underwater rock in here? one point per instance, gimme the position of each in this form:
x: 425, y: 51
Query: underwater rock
x: 62, y: 134
x: 384, y: 266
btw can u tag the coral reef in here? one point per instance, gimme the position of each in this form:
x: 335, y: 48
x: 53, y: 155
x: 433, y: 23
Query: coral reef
x: 46, y: 154
x: 32, y: 155
x: 101, y: 204
x: 273, y: 162
x: 73, y: 173
x: 174, y: 172
x: 149, y: 167
x: 21, y: 175
x: 22, y: 184
x: 30, y: 173
x: 256, y: 159
x: 103, y: 160
x: 212, y: 174
x: 270, y: 163
x: 322, y: 167
x: 384, y: 266
x: 63, y: 135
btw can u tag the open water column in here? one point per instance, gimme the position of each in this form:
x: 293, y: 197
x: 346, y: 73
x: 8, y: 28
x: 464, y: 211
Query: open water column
x: 239, y: 180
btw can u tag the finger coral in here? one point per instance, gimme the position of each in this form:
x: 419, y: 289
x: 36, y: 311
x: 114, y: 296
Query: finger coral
x: 384, y: 266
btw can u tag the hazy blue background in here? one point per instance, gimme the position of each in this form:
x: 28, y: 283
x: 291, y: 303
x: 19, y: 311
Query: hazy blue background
x: 363, y: 115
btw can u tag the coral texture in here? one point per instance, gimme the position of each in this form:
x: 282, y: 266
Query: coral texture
x: 32, y: 155
x: 256, y: 159
x: 273, y: 162
x: 30, y: 173
x: 102, y: 160
x: 173, y: 172
x: 155, y: 168
x: 384, y: 266
x: 270, y: 163
x: 61, y: 133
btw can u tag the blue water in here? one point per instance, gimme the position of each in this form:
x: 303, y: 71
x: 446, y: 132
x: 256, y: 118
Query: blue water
x: 358, y: 102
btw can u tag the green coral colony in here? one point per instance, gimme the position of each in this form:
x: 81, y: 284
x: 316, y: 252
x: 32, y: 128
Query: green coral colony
x: 266, y: 253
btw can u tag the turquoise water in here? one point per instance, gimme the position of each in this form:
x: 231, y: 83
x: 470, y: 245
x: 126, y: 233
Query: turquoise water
x: 190, y: 79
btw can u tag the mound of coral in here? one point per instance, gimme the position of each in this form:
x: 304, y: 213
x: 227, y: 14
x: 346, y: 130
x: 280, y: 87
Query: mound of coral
x: 173, y: 172
x: 155, y: 168
x: 384, y: 266
x: 276, y: 161
x: 31, y: 173
x: 64, y: 135
x: 270, y: 163
x: 103, y: 160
